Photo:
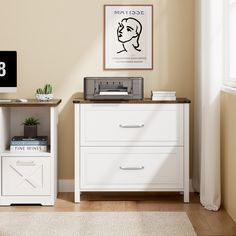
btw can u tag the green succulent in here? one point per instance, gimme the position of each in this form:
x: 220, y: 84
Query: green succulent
x: 39, y: 91
x: 31, y: 121
x: 46, y: 90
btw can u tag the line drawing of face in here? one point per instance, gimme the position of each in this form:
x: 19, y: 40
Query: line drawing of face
x: 129, y: 29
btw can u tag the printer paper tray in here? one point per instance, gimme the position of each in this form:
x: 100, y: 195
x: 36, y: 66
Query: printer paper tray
x: 114, y: 93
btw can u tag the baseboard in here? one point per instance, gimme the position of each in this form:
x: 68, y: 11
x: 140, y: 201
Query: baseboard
x: 191, y: 190
x: 67, y: 185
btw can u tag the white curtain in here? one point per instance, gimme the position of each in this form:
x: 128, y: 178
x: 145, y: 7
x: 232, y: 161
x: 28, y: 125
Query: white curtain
x: 209, y: 71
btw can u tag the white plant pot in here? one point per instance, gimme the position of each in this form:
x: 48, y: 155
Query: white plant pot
x: 44, y: 97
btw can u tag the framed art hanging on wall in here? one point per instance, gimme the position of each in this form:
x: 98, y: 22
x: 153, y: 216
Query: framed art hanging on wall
x: 128, y: 37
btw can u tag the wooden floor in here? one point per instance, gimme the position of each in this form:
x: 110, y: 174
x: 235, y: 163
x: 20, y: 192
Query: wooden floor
x: 204, y: 222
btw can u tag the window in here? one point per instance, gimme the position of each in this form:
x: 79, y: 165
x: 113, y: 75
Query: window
x: 230, y: 43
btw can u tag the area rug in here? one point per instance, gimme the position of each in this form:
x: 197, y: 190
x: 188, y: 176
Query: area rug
x: 95, y: 224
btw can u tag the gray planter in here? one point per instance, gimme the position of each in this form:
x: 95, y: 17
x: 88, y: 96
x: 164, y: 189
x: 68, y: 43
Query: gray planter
x: 30, y: 131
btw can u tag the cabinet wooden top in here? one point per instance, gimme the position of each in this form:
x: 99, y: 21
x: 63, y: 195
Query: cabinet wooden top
x: 144, y: 101
x: 31, y: 103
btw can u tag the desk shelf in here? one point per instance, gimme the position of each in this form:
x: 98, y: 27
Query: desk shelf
x: 8, y: 153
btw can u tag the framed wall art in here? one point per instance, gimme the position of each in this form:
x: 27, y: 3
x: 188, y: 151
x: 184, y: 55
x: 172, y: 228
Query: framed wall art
x: 128, y: 37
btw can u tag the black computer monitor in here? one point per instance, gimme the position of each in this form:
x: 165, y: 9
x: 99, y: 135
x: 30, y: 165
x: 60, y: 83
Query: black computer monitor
x: 8, y: 71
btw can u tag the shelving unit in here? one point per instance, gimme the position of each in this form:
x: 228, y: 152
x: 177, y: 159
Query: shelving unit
x: 28, y: 177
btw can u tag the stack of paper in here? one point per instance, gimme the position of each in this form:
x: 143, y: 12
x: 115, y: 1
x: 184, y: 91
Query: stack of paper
x: 163, y: 95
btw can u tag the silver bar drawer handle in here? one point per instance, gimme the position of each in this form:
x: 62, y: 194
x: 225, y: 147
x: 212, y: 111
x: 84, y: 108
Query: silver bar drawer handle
x: 132, y: 126
x: 132, y: 168
x: 25, y: 163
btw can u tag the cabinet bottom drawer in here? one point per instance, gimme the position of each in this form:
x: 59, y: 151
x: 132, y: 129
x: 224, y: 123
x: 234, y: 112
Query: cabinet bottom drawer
x: 138, y: 168
x: 25, y: 176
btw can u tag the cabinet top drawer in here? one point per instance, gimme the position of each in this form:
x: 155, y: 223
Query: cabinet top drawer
x: 131, y: 124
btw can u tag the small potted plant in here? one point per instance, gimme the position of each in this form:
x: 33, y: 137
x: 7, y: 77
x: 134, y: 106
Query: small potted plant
x: 30, y: 127
x: 44, y: 94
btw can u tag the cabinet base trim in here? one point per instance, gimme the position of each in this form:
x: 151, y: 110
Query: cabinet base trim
x: 67, y: 185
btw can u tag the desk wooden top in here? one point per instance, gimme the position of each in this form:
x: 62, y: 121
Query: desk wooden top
x: 31, y: 103
x: 143, y: 101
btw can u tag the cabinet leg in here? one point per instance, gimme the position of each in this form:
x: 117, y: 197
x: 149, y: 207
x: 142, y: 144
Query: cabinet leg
x: 77, y: 196
x: 47, y: 204
x: 5, y: 204
x: 186, y: 196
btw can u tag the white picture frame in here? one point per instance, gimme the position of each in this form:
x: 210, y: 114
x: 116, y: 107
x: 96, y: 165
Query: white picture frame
x: 128, y: 37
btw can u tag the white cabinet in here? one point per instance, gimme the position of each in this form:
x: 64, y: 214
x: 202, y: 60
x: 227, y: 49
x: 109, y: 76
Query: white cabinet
x: 28, y: 177
x: 131, y: 147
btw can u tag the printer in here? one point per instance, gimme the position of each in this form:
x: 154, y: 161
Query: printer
x: 113, y: 88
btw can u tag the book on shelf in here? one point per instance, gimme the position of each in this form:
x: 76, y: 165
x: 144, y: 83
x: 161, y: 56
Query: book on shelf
x: 163, y: 95
x: 36, y: 148
x: 29, y: 143
x: 163, y: 98
x: 21, y: 141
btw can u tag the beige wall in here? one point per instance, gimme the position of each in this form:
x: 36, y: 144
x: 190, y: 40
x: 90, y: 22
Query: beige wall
x: 60, y: 42
x: 228, y: 152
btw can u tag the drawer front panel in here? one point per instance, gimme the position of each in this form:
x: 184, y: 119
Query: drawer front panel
x: 131, y: 124
x: 131, y: 168
x: 25, y: 176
